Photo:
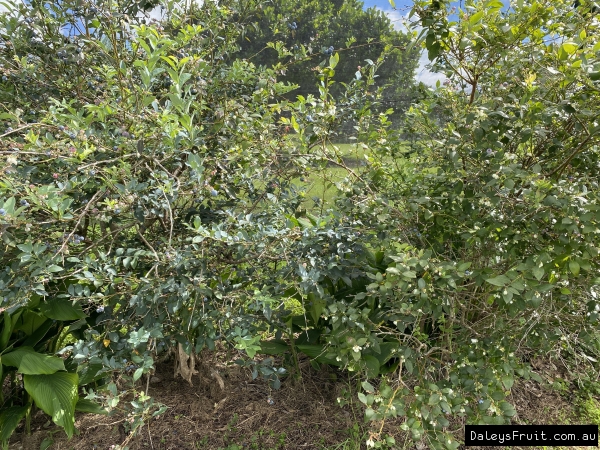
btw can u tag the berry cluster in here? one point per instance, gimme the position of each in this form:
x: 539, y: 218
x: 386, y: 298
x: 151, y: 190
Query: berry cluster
x: 76, y: 239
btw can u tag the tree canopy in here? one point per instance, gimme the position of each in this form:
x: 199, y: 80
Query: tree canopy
x: 309, y: 29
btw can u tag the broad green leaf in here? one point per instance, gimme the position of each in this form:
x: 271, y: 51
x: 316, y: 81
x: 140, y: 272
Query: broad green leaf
x: 538, y: 272
x: 56, y: 395
x: 500, y: 280
x: 34, y: 338
x: 273, y: 347
x: 9, y: 206
x: 434, y: 399
x: 28, y: 361
x: 574, y: 267
x: 370, y: 413
x: 362, y: 397
x: 333, y: 60
x: 89, y: 372
x: 317, y: 308
x: 475, y: 17
x: 7, y: 327
x: 508, y: 381
x: 29, y: 322
x: 386, y: 351
x: 62, y: 309
x: 9, y: 420
x: 372, y: 365
x: 368, y: 387
x: 569, y: 47
x: 46, y: 443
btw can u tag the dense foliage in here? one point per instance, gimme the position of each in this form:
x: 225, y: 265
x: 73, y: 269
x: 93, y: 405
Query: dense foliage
x: 150, y: 203
x: 297, y: 36
x: 491, y: 240
x: 146, y: 200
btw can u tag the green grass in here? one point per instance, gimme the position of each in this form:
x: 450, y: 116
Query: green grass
x: 320, y: 184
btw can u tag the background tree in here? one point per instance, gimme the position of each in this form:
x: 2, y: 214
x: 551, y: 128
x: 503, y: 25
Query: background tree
x: 309, y: 29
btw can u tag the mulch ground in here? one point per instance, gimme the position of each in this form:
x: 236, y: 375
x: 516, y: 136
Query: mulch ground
x: 246, y: 413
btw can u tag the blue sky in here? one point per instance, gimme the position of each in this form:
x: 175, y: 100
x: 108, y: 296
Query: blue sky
x: 396, y: 16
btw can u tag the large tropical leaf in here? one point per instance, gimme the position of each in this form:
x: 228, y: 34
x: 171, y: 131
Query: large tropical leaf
x: 9, y: 419
x: 89, y: 406
x: 372, y: 365
x: 7, y: 328
x: 39, y: 334
x: 274, y: 347
x: 29, y: 322
x: 62, y: 309
x: 56, y: 395
x: 28, y: 361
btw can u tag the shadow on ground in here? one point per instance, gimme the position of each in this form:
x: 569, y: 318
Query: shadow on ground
x: 247, y: 414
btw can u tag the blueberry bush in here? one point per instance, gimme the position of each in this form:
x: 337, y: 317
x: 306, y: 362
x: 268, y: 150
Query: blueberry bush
x: 490, y: 236
x: 149, y: 205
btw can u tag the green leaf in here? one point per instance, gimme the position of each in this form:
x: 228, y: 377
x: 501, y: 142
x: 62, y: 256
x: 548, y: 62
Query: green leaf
x: 569, y: 47
x: 62, y: 309
x: 273, y: 347
x: 475, y: 17
x: 500, y: 280
x: 138, y: 373
x: 434, y: 399
x: 9, y: 206
x: 574, y: 267
x: 295, y: 125
x: 372, y: 364
x: 362, y: 397
x: 29, y: 322
x: 538, y: 272
x: 368, y: 387
x: 464, y: 266
x: 56, y: 395
x: 9, y: 420
x: 28, y: 361
x: 370, y: 414
x: 7, y: 327
x: 333, y: 60
x: 89, y: 372
x: 33, y: 339
x: 507, y: 409
x: 46, y: 443
x: 317, y: 308
x: 508, y: 381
